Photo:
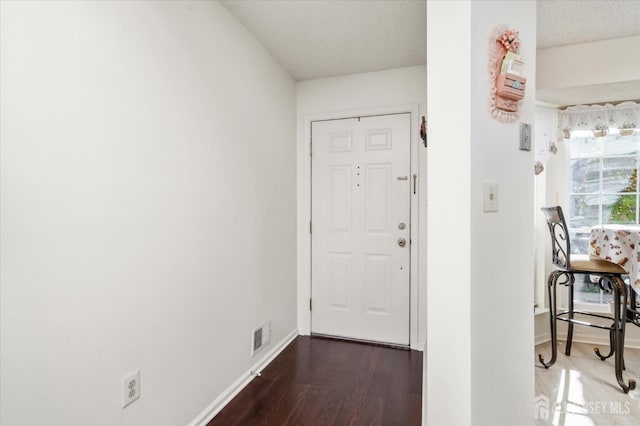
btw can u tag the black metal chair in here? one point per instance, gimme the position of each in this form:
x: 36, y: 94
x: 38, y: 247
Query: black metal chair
x: 633, y: 308
x: 609, y: 277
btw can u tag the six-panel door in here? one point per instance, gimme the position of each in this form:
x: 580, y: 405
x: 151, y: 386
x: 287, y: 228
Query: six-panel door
x: 361, y: 186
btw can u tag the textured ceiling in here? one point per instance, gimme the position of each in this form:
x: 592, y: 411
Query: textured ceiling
x: 562, y: 22
x: 322, y: 38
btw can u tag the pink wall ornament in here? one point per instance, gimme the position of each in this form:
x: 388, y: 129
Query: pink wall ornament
x: 505, y: 69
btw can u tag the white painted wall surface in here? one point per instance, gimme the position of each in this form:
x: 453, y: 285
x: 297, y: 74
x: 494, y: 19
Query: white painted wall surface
x: 447, y: 364
x: 545, y: 132
x: 584, y: 64
x: 480, y: 265
x: 148, y: 208
x: 378, y: 91
x: 502, y: 243
x: 397, y: 86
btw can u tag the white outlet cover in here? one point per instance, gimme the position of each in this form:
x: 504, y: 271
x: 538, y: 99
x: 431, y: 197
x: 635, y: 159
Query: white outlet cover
x: 130, y: 387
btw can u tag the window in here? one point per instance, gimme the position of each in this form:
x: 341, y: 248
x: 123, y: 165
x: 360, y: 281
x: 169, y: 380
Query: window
x: 603, y: 189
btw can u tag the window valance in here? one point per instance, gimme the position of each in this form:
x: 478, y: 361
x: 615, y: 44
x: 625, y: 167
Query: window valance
x: 601, y: 119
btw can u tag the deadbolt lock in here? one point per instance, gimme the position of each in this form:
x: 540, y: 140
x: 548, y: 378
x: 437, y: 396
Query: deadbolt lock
x: 401, y: 226
x: 402, y: 242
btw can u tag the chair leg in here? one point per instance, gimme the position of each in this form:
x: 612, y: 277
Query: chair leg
x: 623, y: 319
x: 620, y: 291
x: 611, y: 334
x: 567, y: 350
x: 633, y: 314
x: 551, y: 284
x: 611, y: 345
x: 631, y: 304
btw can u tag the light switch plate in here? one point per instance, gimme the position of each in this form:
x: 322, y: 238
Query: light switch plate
x: 490, y: 196
x: 525, y: 137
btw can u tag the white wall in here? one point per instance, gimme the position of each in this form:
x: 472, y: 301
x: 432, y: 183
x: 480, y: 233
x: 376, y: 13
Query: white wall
x: 586, y: 64
x: 546, y: 131
x: 447, y: 385
x: 502, y: 243
x: 148, y: 208
x: 480, y: 366
x: 339, y: 97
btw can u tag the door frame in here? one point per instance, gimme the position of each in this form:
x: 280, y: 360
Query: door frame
x: 304, y: 212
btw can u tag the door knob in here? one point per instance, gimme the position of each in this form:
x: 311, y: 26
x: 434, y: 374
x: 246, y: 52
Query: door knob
x: 402, y: 242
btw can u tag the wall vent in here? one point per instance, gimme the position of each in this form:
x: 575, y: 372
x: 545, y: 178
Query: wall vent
x: 260, y: 337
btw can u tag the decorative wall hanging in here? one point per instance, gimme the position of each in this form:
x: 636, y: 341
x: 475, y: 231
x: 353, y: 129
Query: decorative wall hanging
x: 423, y: 131
x: 505, y: 69
x: 552, y: 149
x: 546, y: 135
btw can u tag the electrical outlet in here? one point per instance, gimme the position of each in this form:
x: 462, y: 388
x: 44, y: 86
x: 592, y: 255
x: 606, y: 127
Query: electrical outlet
x: 130, y: 387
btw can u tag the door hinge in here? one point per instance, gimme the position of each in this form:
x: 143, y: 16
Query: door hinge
x: 311, y: 149
x: 310, y: 228
x: 310, y: 305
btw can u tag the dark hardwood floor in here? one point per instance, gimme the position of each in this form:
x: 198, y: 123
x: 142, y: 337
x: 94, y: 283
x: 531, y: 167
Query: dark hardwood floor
x: 317, y: 381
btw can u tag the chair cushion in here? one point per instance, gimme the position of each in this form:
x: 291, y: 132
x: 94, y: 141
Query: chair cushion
x: 591, y: 264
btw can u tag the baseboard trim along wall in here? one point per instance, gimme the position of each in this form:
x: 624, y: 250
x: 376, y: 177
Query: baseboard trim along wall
x: 225, y: 397
x: 542, y: 333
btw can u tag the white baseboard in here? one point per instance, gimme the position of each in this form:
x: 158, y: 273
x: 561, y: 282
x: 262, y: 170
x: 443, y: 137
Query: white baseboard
x: 225, y: 397
x: 542, y: 333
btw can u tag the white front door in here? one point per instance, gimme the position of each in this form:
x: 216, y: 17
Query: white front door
x: 360, y: 212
